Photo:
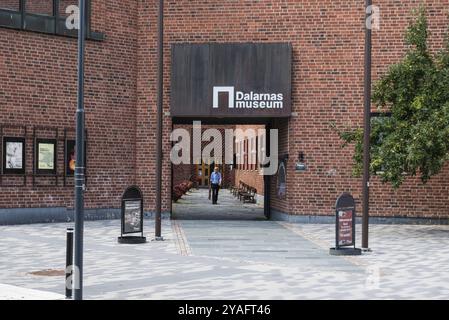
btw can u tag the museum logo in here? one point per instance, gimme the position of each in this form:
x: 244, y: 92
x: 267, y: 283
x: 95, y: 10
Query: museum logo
x: 246, y: 100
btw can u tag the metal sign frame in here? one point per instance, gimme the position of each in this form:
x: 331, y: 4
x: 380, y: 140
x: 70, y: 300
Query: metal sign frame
x: 124, y: 201
x: 231, y: 80
x: 131, y: 194
x: 345, y: 203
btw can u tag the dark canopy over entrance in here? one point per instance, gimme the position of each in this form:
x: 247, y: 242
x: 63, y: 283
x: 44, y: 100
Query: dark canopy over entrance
x: 236, y: 80
x: 232, y: 84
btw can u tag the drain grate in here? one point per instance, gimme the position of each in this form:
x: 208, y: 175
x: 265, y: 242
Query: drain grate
x: 48, y: 273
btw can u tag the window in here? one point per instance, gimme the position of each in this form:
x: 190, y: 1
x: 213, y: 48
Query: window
x: 256, y: 165
x: 241, y: 155
x: 253, y: 149
x: 46, y: 16
x: 245, y: 146
x: 42, y: 7
x: 13, y: 5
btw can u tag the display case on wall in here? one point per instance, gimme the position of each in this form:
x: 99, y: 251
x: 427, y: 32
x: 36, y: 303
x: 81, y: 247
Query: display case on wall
x: 46, y: 157
x: 13, y: 154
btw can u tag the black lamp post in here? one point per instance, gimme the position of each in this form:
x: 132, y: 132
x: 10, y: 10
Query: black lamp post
x: 160, y: 87
x: 79, y: 166
x: 367, y: 129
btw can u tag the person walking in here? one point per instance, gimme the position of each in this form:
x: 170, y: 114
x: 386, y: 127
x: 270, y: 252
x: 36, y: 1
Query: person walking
x: 215, y: 182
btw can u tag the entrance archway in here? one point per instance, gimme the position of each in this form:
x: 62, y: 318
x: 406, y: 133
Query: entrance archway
x: 232, y: 84
x: 233, y: 204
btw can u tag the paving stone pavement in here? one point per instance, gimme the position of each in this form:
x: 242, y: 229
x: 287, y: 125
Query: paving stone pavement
x: 264, y: 242
x: 195, y: 205
x: 8, y: 292
x: 407, y: 261
x: 233, y: 260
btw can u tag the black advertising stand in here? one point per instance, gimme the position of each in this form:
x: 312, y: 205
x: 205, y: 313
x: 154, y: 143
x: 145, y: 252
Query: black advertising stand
x: 132, y: 216
x: 345, y: 227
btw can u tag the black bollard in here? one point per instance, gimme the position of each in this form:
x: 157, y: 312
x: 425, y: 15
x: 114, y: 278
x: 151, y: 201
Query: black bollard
x: 69, y: 262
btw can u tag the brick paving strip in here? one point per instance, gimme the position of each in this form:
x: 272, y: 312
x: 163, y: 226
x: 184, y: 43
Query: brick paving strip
x: 181, y: 241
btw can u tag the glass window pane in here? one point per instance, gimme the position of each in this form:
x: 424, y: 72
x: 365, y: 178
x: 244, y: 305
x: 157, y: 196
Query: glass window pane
x: 44, y: 7
x: 64, y: 4
x: 10, y: 5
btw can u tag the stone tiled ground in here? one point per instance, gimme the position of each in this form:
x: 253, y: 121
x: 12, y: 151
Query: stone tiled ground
x: 8, y: 292
x: 407, y: 261
x: 232, y: 259
x: 196, y: 206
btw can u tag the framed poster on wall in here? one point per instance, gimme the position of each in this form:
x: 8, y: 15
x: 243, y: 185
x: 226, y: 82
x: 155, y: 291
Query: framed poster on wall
x: 46, y: 156
x: 13, y: 155
x: 132, y: 216
x: 70, y: 156
x: 281, y: 181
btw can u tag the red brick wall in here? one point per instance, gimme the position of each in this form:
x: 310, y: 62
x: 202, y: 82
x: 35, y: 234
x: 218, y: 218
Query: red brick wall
x: 327, y: 38
x: 413, y: 198
x: 38, y: 87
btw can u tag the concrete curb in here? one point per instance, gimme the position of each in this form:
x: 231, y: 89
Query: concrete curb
x: 314, y: 219
x: 17, y: 216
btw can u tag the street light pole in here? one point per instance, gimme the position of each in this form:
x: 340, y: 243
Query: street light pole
x: 160, y: 87
x: 79, y: 164
x: 366, y: 128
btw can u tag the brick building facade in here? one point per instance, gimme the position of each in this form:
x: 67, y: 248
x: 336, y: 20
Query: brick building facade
x: 38, y: 72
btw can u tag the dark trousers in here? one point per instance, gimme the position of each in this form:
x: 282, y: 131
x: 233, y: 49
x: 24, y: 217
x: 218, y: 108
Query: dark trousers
x: 215, y: 188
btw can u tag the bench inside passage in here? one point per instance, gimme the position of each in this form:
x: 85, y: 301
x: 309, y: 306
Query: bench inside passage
x: 181, y: 189
x: 244, y: 192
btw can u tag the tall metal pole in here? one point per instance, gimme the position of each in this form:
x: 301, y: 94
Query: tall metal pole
x: 79, y: 166
x: 160, y: 87
x: 367, y: 129
x: 69, y: 263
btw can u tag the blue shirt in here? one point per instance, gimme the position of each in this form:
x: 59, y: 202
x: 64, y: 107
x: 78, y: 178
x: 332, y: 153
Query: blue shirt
x: 215, y: 178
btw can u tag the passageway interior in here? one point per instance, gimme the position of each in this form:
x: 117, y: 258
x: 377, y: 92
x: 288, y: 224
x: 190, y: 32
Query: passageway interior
x: 195, y: 205
x: 242, y: 195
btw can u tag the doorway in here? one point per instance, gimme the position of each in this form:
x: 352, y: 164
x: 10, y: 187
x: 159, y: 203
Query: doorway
x: 244, y: 193
x: 202, y: 171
